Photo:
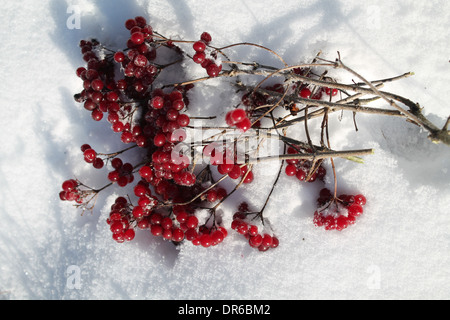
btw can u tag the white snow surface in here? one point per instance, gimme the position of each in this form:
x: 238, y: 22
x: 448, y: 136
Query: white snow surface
x: 399, y: 247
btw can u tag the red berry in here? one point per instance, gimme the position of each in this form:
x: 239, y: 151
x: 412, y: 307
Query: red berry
x: 122, y: 181
x: 275, y: 242
x: 167, y: 234
x: 301, y: 175
x: 242, y: 227
x: 97, y: 85
x: 225, y: 168
x: 113, y: 176
x: 175, y: 95
x: 191, y: 234
x: 119, y: 237
x: 166, y: 223
x: 256, y: 241
x: 84, y: 147
x: 253, y: 230
x: 172, y: 114
x: 140, y: 21
x: 80, y: 70
x: 237, y: 115
x: 89, y: 155
x: 140, y: 61
x: 121, y: 200
x: 156, y: 230
x: 331, y: 92
x: 157, y: 102
x: 360, y: 199
x: 249, y: 177
x: 98, y: 163
x: 217, y: 237
x: 183, y: 120
x: 211, y: 195
x: 305, y: 93
x: 143, y: 201
x: 182, y: 217
x: 146, y: 172
x: 118, y: 126
x: 177, y: 235
x: 143, y: 224
x: 213, y: 70
x: 243, y: 207
x: 244, y: 125
x: 355, y: 210
x: 137, y: 37
x: 116, y: 163
x: 199, y: 57
x: 341, y: 223
x: 178, y: 104
x: 221, y: 193
x: 159, y: 140
x: 205, y: 240
x: 192, y: 222
x: 116, y: 227
x: 129, y: 235
x: 267, y: 240
x: 291, y: 170
x: 140, y: 190
x: 112, y: 96
x: 206, y: 37
x: 187, y: 178
x: 130, y: 23
x: 69, y: 185
x: 126, y: 137
x: 199, y: 46
x: 119, y: 56
x: 235, y: 172
x: 156, y: 218
x: 97, y: 114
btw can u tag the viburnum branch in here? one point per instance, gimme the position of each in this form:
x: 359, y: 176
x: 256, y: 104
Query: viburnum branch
x: 146, y: 114
x: 316, y: 155
x: 255, y: 45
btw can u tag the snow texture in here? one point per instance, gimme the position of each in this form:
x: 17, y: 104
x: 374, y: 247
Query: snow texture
x: 399, y: 248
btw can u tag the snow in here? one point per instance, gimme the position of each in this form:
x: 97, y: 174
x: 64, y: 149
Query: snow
x: 399, y: 248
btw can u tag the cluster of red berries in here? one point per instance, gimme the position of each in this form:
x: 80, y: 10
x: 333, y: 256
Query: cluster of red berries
x: 120, y: 87
x: 90, y: 156
x: 102, y: 94
x: 120, y: 223
x: 216, y: 194
x: 339, y: 213
x: 261, y: 241
x: 181, y: 225
x: 122, y: 173
x: 70, y: 191
x: 168, y: 130
x: 207, y: 61
x: 238, y: 118
x: 207, y: 237
x: 301, y: 168
x: 226, y: 163
x: 202, y: 235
